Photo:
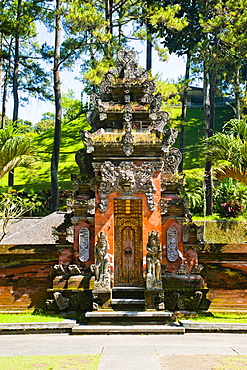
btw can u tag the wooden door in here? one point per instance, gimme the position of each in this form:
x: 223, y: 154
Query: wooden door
x: 128, y: 254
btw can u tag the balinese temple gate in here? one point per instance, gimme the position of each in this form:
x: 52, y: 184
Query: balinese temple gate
x: 134, y: 243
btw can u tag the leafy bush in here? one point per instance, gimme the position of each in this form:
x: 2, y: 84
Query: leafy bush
x: 230, y: 198
x: 40, y: 200
x: 231, y: 209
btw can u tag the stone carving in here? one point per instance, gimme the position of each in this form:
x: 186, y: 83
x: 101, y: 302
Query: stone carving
x: 156, y: 103
x: 74, y: 270
x: 197, y: 269
x: 183, y: 269
x: 127, y: 58
x: 127, y: 179
x: 102, y: 264
x: 153, y: 261
x: 187, y: 213
x: 148, y: 88
x: 83, y: 161
x: 186, y: 232
x: 62, y: 302
x: 159, y: 122
x: 70, y: 234
x: 169, y: 138
x: 186, y: 301
x: 84, y: 244
x: 171, y: 160
x: 130, y: 69
x: 91, y: 206
x: 128, y: 140
x: 172, y: 244
x: 191, y: 258
x: 105, y: 88
x: 200, y: 233
x: 59, y: 270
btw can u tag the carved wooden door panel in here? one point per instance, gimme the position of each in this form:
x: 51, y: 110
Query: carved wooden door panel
x: 128, y: 242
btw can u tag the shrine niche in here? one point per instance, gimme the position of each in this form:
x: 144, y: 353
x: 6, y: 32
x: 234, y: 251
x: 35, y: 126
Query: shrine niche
x: 132, y: 230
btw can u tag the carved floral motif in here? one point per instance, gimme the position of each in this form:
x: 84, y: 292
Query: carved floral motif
x: 127, y: 179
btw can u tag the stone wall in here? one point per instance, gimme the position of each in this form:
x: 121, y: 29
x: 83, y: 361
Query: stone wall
x: 25, y: 275
x: 225, y: 272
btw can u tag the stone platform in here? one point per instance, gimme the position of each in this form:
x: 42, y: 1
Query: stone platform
x: 129, y: 322
x: 128, y: 329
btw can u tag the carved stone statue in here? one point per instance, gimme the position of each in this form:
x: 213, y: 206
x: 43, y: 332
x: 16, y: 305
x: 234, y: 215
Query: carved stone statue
x: 62, y: 302
x: 153, y: 261
x: 101, y: 256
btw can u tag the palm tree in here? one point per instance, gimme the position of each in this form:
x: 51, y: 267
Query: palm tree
x: 15, y: 150
x: 228, y: 149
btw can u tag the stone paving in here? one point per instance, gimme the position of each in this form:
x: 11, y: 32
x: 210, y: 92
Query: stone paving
x: 173, y: 352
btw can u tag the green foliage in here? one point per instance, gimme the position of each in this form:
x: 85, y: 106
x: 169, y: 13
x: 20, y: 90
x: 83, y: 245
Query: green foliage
x: 12, y: 206
x: 228, y: 149
x: 15, y: 151
x: 29, y: 317
x: 221, y: 317
x: 228, y: 191
x: 193, y: 191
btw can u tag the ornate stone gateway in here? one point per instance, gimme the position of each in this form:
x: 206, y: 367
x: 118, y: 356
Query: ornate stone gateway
x: 134, y: 239
x: 128, y: 250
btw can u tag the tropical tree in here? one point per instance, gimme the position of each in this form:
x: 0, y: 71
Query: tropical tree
x: 228, y: 149
x: 15, y: 151
x: 12, y: 207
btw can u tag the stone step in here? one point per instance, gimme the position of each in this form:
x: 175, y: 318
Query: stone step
x: 125, y: 304
x: 127, y: 301
x: 173, y: 328
x: 111, y: 314
x: 128, y: 292
x: 129, y: 317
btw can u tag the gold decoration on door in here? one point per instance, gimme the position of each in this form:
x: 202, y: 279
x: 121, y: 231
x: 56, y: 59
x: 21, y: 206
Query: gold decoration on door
x: 128, y: 258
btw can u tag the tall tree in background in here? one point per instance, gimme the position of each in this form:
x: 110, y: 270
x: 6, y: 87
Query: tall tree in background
x: 58, y: 110
x: 184, y: 42
x: 230, y: 22
x: 209, y: 53
x: 18, y: 52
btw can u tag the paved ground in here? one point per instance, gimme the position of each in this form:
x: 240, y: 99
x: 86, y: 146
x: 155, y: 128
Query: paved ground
x: 188, y: 351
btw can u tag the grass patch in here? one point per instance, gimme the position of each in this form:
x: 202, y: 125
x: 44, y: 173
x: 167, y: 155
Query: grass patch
x: 28, y: 317
x: 222, y: 317
x: 71, y: 142
x: 61, y: 362
x: 232, y: 363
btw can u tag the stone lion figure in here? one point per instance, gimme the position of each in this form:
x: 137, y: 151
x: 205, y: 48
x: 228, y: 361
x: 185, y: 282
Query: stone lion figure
x: 154, y: 256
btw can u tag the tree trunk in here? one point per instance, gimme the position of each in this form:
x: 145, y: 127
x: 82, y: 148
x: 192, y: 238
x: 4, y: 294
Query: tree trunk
x: 1, y: 48
x: 209, y: 114
x: 237, y: 93
x: 149, y: 48
x: 15, y: 80
x: 5, y: 87
x: 184, y: 109
x: 109, y: 28
x: 58, y: 113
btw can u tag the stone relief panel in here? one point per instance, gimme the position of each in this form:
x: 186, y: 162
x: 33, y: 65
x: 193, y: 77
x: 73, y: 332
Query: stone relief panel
x: 127, y: 179
x: 84, y: 244
x: 172, y: 244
